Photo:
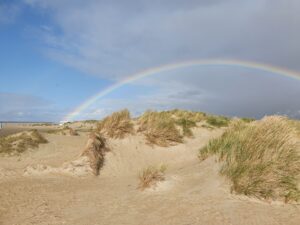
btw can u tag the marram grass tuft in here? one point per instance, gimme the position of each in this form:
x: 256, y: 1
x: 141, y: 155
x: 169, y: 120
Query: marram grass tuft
x: 260, y: 158
x: 117, y: 125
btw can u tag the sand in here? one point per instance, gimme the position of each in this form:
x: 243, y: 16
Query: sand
x: 53, y: 185
x: 12, y: 130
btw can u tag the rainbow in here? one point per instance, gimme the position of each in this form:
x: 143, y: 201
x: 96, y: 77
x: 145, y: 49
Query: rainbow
x: 174, y: 66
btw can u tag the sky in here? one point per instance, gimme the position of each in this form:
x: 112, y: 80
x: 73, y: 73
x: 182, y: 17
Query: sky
x: 56, y: 54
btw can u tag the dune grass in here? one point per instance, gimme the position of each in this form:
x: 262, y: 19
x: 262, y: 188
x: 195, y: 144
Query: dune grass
x: 247, y: 120
x: 151, y: 175
x: 72, y: 132
x: 117, y: 125
x: 20, y: 142
x: 90, y: 121
x: 211, y: 120
x: 186, y: 126
x: 164, y: 128
x: 159, y: 129
x: 95, y: 150
x: 260, y: 158
x: 217, y: 121
x: 188, y: 115
x: 296, y: 125
x: 64, y: 131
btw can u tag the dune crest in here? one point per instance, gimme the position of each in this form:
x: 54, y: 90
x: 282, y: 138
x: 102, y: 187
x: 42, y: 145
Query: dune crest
x: 144, y: 184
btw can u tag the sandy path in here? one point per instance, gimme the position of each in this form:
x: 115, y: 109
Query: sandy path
x: 193, y: 193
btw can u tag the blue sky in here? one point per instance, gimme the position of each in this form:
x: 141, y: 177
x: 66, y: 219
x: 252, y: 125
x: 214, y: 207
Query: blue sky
x: 55, y: 54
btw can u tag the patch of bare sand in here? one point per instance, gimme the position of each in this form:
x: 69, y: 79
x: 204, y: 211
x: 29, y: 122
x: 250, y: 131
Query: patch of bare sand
x: 193, y: 192
x: 90, y: 161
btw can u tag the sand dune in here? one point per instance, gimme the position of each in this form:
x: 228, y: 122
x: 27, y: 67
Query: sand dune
x: 55, y: 185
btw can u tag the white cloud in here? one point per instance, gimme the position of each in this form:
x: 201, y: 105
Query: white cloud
x: 114, y: 38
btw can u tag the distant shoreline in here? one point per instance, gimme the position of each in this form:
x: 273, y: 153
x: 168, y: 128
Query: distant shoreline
x: 11, y: 127
x: 12, y: 130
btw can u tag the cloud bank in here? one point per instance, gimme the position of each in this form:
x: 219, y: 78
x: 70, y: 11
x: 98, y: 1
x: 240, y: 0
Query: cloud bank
x: 112, y: 39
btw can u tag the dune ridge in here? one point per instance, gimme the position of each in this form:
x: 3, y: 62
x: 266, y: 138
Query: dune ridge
x: 56, y: 183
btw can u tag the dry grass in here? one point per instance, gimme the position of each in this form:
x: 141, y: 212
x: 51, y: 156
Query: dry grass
x: 188, y: 115
x: 151, y: 175
x: 207, y: 127
x: 186, y: 126
x: 117, y: 125
x: 64, y: 131
x: 194, y: 117
x: 217, y: 121
x: 20, y: 142
x: 261, y: 158
x: 159, y: 129
x: 247, y: 120
x: 42, y: 124
x: 296, y: 124
x: 95, y: 150
x: 72, y: 132
x: 91, y: 121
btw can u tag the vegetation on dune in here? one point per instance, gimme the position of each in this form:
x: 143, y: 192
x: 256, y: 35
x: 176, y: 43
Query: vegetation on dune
x: 189, y: 115
x: 260, y: 158
x: 117, y: 125
x: 186, y: 126
x: 20, y: 142
x: 163, y: 128
x: 207, y: 126
x: 42, y: 124
x: 247, y: 120
x: 72, y: 132
x: 159, y: 129
x: 212, y: 120
x: 53, y: 131
x: 91, y: 121
x: 296, y: 125
x: 95, y: 150
x: 217, y: 121
x: 151, y: 175
x: 64, y: 131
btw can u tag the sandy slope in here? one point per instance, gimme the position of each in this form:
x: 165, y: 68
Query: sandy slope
x: 193, y: 193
